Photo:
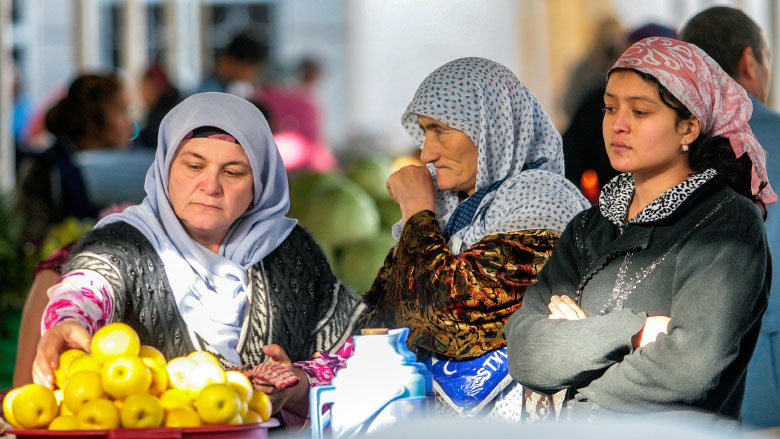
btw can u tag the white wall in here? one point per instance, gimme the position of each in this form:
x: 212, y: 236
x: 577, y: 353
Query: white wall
x: 392, y: 45
x: 49, y: 60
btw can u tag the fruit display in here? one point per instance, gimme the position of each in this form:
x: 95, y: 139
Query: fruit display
x: 123, y: 384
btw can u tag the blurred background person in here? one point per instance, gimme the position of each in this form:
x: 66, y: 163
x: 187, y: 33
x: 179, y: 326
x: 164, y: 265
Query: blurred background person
x: 589, y: 73
x: 159, y: 96
x: 297, y: 121
x: 93, y: 115
x: 736, y: 42
x: 237, y: 68
x: 586, y: 161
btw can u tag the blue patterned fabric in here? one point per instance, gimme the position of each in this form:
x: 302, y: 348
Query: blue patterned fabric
x: 464, y: 213
x: 517, y: 145
x: 469, y: 385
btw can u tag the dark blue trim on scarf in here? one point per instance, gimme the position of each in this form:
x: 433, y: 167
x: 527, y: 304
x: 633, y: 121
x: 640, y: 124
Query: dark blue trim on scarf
x: 464, y: 213
x: 536, y: 164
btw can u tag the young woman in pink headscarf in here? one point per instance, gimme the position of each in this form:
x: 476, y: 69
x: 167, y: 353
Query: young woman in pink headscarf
x: 652, y: 300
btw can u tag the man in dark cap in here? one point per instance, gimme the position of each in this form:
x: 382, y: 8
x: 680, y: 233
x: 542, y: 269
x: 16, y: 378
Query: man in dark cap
x: 736, y: 42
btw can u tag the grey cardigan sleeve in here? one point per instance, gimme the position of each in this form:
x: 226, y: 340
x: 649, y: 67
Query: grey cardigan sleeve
x: 721, y: 291
x: 549, y: 355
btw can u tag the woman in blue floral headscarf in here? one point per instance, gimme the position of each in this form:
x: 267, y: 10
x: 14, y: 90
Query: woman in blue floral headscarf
x: 477, y: 226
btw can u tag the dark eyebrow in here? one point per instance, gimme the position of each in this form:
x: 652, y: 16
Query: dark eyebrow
x: 634, y: 98
x: 200, y: 157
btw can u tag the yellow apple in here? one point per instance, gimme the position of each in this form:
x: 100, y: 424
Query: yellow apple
x: 240, y: 383
x: 64, y: 422
x: 34, y: 406
x: 252, y: 417
x: 202, y: 357
x: 124, y: 375
x: 84, y: 362
x: 142, y: 410
x: 217, y: 403
x: 178, y: 370
x: 236, y: 420
x: 113, y: 340
x: 65, y: 411
x: 98, y: 414
x: 203, y: 375
x: 82, y: 387
x: 182, y: 417
x: 261, y: 404
x: 244, y: 408
x: 159, y: 376
x: 152, y: 353
x: 8, y: 411
x: 61, y: 372
x: 173, y: 398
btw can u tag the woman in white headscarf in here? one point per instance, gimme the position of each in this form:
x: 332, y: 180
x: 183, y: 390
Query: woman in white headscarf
x: 208, y: 261
x: 478, y: 224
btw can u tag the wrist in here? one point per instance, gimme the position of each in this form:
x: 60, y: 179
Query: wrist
x: 409, y: 209
x: 298, y: 403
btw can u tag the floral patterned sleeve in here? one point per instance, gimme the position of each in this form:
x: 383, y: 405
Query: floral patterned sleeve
x: 81, y: 295
x: 322, y: 367
x: 455, y: 305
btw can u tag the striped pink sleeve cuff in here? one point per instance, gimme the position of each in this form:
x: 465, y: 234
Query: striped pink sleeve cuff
x: 80, y: 295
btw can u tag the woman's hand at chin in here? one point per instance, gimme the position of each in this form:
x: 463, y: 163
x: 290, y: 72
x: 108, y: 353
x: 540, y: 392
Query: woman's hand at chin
x: 412, y: 188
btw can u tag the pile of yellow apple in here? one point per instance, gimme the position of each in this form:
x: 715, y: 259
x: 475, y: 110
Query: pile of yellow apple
x: 122, y: 383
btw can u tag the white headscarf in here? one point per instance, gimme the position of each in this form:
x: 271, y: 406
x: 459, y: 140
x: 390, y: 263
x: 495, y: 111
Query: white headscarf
x: 211, y: 288
x: 516, y: 143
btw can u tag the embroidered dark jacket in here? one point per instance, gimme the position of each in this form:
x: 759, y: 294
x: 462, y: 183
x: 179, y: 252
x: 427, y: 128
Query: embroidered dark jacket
x: 295, y: 300
x: 704, y: 263
x: 455, y: 305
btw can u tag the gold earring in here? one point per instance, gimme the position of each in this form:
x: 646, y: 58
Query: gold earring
x: 684, y: 148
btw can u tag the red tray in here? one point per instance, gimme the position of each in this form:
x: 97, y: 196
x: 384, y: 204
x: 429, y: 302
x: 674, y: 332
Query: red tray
x: 245, y: 431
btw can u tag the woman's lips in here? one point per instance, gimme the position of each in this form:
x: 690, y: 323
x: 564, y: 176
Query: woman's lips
x: 206, y: 206
x: 619, y: 146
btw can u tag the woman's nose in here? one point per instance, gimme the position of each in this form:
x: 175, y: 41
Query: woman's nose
x: 620, y: 121
x: 209, y: 182
x: 430, y: 151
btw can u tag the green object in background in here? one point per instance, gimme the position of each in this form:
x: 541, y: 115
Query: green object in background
x: 341, y: 215
x: 9, y: 336
x: 371, y: 173
x: 306, y: 185
x: 359, y: 262
x: 389, y: 212
x: 15, y: 265
x: 71, y: 229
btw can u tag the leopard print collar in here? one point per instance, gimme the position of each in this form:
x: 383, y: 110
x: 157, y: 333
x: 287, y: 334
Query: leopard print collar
x: 616, y: 196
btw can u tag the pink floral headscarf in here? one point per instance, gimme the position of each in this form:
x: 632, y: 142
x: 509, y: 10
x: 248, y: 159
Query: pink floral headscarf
x: 718, y: 102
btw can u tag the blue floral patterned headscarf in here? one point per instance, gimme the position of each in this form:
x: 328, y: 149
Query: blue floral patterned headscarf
x: 517, y: 143
x: 210, y: 288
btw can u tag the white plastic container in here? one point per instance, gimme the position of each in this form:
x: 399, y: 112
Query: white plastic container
x: 381, y: 384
